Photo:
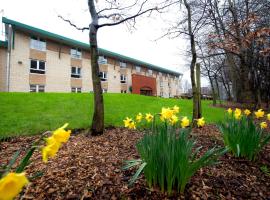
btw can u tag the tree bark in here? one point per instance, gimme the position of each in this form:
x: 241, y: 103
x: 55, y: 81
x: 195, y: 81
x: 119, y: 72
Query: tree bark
x: 196, y: 111
x: 97, y: 127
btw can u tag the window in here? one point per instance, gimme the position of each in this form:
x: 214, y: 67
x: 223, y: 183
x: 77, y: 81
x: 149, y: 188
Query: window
x: 103, y: 76
x: 104, y: 90
x: 76, y: 53
x: 123, y: 78
x: 161, y: 93
x: 75, y: 72
x: 37, y: 88
x: 160, y: 73
x: 123, y: 91
x: 102, y: 60
x: 123, y: 64
x: 37, y: 66
x: 76, y: 89
x: 161, y: 84
x: 38, y: 43
x: 150, y: 72
x: 138, y: 69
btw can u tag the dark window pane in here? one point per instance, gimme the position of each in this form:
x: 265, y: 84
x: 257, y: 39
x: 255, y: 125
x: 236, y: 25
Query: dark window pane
x: 32, y: 88
x: 73, y: 89
x: 73, y: 70
x: 79, y: 70
x: 79, y: 90
x: 41, y: 88
x: 34, y: 37
x: 33, y: 64
x: 41, y: 65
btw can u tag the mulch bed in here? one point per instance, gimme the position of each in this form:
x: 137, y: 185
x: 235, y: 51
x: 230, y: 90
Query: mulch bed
x: 90, y: 168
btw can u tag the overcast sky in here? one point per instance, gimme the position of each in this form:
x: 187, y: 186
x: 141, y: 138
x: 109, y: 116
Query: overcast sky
x: 139, y: 44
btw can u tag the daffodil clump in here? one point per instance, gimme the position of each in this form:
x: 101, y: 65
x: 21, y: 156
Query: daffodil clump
x: 241, y: 135
x: 12, y: 183
x: 168, y: 153
x: 167, y: 115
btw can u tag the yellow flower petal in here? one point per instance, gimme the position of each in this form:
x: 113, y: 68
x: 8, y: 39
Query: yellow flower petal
x: 11, y: 185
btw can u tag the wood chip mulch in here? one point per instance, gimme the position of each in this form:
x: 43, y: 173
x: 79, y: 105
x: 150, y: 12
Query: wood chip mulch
x: 90, y: 168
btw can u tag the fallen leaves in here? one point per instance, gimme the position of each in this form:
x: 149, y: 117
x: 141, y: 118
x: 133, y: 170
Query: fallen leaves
x: 90, y: 168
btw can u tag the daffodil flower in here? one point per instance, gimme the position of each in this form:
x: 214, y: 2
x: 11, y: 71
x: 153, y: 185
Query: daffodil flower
x: 139, y: 117
x: 149, y: 117
x: 263, y: 125
x: 184, y: 122
x: 11, y: 185
x: 237, y: 113
x: 176, y: 109
x: 268, y: 116
x: 229, y: 111
x: 173, y: 120
x: 259, y: 113
x: 247, y: 112
x: 200, y: 122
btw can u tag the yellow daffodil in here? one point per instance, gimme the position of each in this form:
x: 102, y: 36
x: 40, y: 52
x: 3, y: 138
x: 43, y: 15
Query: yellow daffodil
x: 184, y: 122
x: 11, y: 185
x: 166, y: 113
x: 129, y: 123
x: 229, y: 111
x: 176, y: 109
x: 61, y: 135
x: 259, y: 113
x: 173, y: 120
x: 263, y: 125
x: 237, y: 113
x: 268, y: 116
x: 51, y: 149
x: 200, y: 122
x: 247, y: 112
x: 139, y: 117
x: 149, y: 117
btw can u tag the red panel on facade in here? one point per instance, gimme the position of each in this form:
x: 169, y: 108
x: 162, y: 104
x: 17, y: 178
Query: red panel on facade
x: 144, y: 85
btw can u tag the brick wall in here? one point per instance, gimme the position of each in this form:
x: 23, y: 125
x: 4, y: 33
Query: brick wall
x: 140, y: 81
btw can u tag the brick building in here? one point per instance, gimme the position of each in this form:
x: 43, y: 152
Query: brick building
x: 35, y: 60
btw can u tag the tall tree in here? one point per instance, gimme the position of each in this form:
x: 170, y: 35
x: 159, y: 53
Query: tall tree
x: 112, y: 13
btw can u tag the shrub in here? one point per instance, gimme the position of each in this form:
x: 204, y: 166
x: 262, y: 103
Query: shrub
x: 242, y: 137
x: 169, y: 158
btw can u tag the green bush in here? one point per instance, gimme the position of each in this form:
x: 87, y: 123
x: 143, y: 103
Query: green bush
x: 169, y: 158
x: 242, y: 137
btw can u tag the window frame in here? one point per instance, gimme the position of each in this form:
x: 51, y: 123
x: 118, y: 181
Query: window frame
x: 138, y: 67
x: 123, y: 78
x: 150, y: 72
x: 38, y: 67
x: 103, y: 76
x: 76, y: 90
x: 76, y: 53
x: 122, y: 64
x: 104, y: 90
x: 37, y: 88
x: 78, y: 73
x: 36, y: 43
x: 102, y: 58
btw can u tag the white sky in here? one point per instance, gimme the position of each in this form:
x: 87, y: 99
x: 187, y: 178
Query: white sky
x: 139, y: 44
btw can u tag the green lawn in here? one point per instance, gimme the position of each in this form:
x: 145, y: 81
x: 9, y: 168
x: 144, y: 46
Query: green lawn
x: 34, y: 113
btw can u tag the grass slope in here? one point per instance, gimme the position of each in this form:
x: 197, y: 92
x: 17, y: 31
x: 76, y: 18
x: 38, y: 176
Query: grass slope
x: 34, y: 113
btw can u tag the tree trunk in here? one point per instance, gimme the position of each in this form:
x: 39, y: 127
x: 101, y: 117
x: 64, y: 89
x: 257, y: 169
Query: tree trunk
x: 97, y: 127
x: 196, y: 112
x: 198, y: 85
x: 213, y: 89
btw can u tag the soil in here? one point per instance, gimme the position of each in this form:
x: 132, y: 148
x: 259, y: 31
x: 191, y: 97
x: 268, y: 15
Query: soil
x: 90, y: 168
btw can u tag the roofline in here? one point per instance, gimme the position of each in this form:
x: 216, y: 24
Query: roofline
x: 72, y: 42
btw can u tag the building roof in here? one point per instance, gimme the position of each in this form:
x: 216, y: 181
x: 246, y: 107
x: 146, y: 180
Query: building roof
x: 76, y: 43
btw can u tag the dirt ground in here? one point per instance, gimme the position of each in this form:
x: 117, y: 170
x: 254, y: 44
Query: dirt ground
x: 90, y: 168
